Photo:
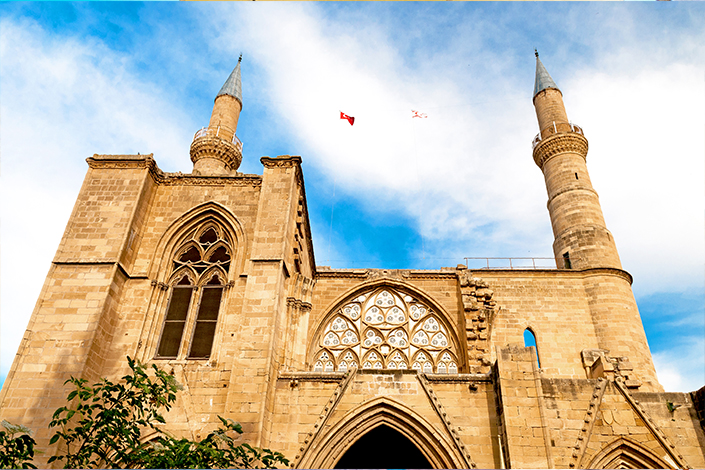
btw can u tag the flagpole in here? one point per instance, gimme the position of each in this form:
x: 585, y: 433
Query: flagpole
x: 330, y: 231
x: 332, y: 207
x: 418, y: 176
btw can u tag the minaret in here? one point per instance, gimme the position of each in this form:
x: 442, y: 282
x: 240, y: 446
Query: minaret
x: 581, y: 237
x: 216, y: 150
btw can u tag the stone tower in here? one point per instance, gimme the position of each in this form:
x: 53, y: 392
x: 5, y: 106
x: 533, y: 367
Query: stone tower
x: 216, y: 150
x: 211, y: 276
x: 582, y: 241
x: 560, y: 150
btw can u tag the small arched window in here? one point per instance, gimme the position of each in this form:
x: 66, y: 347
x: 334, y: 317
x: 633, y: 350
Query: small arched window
x: 530, y: 340
x: 199, y: 276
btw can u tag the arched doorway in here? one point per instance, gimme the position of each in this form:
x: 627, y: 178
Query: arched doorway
x: 326, y: 450
x: 383, y: 447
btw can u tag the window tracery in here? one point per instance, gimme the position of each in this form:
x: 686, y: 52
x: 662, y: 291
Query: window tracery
x: 198, y: 278
x: 385, y: 329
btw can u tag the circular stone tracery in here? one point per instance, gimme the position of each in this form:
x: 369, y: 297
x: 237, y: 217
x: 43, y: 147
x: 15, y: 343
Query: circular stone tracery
x: 385, y: 329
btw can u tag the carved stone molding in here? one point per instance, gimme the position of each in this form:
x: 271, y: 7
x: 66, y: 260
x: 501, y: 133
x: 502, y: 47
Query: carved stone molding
x: 342, y: 273
x: 445, y: 418
x: 458, y: 378
x: 170, y: 179
x: 588, y: 422
x: 282, y: 161
x: 398, y: 274
x: 431, y: 274
x: 298, y: 304
x: 374, y: 274
x: 559, y: 144
x: 121, y: 161
x: 569, y: 190
x: 215, y: 147
x: 306, y: 376
x: 325, y: 414
x: 180, y: 179
x: 613, y: 271
x: 160, y: 285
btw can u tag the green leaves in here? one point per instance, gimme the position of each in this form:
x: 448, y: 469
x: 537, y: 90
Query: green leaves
x: 16, y: 452
x: 102, y: 424
x: 217, y: 450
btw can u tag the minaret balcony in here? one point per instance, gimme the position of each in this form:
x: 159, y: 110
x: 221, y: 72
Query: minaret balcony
x: 556, y: 128
x: 221, y: 132
x: 216, y: 150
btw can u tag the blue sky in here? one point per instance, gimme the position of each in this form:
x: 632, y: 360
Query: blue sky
x: 84, y: 78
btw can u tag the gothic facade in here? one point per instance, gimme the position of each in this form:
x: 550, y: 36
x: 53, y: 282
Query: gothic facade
x: 212, y: 276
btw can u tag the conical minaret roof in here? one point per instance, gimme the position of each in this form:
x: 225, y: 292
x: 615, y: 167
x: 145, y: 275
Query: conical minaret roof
x: 543, y: 79
x: 233, y: 85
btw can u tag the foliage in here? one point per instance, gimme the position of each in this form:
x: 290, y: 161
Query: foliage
x: 217, y: 450
x: 102, y: 426
x: 16, y: 452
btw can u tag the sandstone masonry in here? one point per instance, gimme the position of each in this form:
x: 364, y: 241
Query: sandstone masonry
x: 212, y: 276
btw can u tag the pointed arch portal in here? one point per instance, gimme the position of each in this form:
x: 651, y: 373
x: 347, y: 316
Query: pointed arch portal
x: 378, y: 427
x: 383, y: 447
x: 625, y: 453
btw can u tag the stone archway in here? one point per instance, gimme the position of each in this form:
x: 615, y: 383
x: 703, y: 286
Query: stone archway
x: 624, y: 453
x: 438, y: 450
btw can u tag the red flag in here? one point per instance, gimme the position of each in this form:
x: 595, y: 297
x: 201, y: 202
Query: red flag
x: 350, y: 119
x: 418, y: 114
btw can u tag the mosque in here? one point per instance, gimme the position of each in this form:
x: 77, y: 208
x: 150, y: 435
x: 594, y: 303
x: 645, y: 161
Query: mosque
x: 211, y: 275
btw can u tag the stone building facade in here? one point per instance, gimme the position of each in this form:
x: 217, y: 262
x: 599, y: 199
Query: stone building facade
x: 211, y: 275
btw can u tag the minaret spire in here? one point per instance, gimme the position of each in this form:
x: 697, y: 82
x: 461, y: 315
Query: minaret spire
x: 581, y: 239
x: 216, y: 150
x: 543, y: 79
x: 560, y: 150
x: 233, y: 85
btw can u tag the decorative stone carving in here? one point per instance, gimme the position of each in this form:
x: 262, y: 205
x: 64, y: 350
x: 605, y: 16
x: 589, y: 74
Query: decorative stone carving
x: 218, y: 149
x: 398, y: 274
x: 558, y: 144
x: 170, y: 179
x: 282, y: 161
x: 386, y: 328
x: 588, y: 422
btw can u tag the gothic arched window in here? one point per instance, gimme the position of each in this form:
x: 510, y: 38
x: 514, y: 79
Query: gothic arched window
x: 199, y: 276
x: 386, y: 329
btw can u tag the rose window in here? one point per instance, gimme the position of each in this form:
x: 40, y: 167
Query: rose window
x: 386, y: 329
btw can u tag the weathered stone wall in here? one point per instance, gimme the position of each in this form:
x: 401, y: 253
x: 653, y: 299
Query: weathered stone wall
x: 585, y: 417
x: 554, y: 306
x: 107, y: 292
x: 523, y: 424
x: 452, y: 421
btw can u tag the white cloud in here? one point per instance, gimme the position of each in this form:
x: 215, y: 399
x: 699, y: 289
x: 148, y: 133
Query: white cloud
x: 71, y: 99
x: 466, y: 172
x: 463, y: 166
x: 647, y: 142
x: 680, y: 369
